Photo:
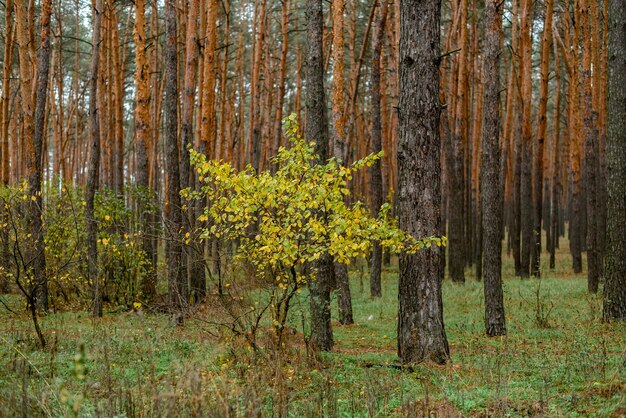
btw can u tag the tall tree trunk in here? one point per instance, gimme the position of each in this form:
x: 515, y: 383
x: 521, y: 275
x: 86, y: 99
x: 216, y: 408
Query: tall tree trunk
x: 176, y: 273
x: 104, y: 98
x: 421, y: 333
x: 118, y: 106
x: 474, y: 198
x: 225, y: 147
x: 4, y: 134
x: 34, y: 132
x: 344, y: 298
x: 556, y: 164
x: 284, y: 48
x: 570, y: 56
x: 35, y: 181
x: 516, y: 224
x: 615, y: 272
x: 458, y: 255
x: 526, y: 213
x: 541, y: 135
x: 600, y: 88
x: 6, y: 91
x: 209, y: 125
x: 492, y: 199
x: 316, y: 129
x: 254, y: 129
x: 193, y: 253
x: 590, y: 166
x: 376, y: 178
x: 143, y: 143
x: 94, y: 164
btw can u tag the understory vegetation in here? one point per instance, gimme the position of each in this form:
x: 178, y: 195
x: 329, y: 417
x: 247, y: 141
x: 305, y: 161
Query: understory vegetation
x: 558, y: 359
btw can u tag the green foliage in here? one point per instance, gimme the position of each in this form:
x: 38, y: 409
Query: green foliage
x: 63, y: 222
x: 64, y: 226
x: 122, y: 261
x: 120, y: 237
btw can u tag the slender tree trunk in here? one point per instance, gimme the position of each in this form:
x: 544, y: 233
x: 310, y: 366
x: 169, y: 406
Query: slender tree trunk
x: 4, y: 135
x: 339, y: 147
x: 6, y: 91
x: 35, y: 179
x: 526, y: 214
x: 590, y: 166
x: 316, y: 128
x: 193, y: 253
x: 457, y: 208
x: 104, y: 98
x: 615, y: 272
x: 421, y: 333
x: 570, y: 56
x: 143, y: 143
x: 118, y: 105
x: 254, y: 141
x: 474, y: 198
x: 516, y: 68
x: 492, y: 199
x: 94, y: 164
x: 554, y: 206
x: 376, y: 178
x: 600, y: 88
x: 541, y: 135
x: 225, y: 147
x: 33, y: 135
x: 176, y: 273
x: 284, y: 49
x: 208, y: 128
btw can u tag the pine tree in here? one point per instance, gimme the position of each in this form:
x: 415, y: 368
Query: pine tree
x: 421, y: 333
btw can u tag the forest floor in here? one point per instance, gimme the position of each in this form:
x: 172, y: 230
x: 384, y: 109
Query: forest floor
x: 558, y: 359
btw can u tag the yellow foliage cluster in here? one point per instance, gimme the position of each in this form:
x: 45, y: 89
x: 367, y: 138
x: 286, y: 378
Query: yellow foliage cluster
x: 293, y: 216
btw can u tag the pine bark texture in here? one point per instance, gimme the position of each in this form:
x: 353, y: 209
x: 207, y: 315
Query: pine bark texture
x: 94, y: 165
x: 33, y: 147
x: 344, y: 298
x: 421, y: 333
x: 176, y: 277
x: 192, y: 256
x: 590, y: 166
x: 316, y: 129
x: 556, y: 164
x: 575, y: 195
x: 459, y: 246
x: 492, y: 198
x: 615, y: 270
x: 516, y: 145
x: 35, y: 178
x: 142, y: 140
x: 376, y: 177
x: 6, y: 90
x: 541, y: 138
x: 526, y: 214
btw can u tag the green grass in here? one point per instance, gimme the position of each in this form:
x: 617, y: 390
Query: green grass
x: 569, y: 364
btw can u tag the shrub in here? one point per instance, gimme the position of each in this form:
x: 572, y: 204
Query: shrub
x: 286, y: 220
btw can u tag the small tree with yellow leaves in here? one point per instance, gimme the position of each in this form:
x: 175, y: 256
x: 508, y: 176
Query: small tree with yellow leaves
x: 284, y: 221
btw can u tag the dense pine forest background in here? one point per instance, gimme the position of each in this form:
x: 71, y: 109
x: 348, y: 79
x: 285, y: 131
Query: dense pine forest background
x: 299, y: 207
